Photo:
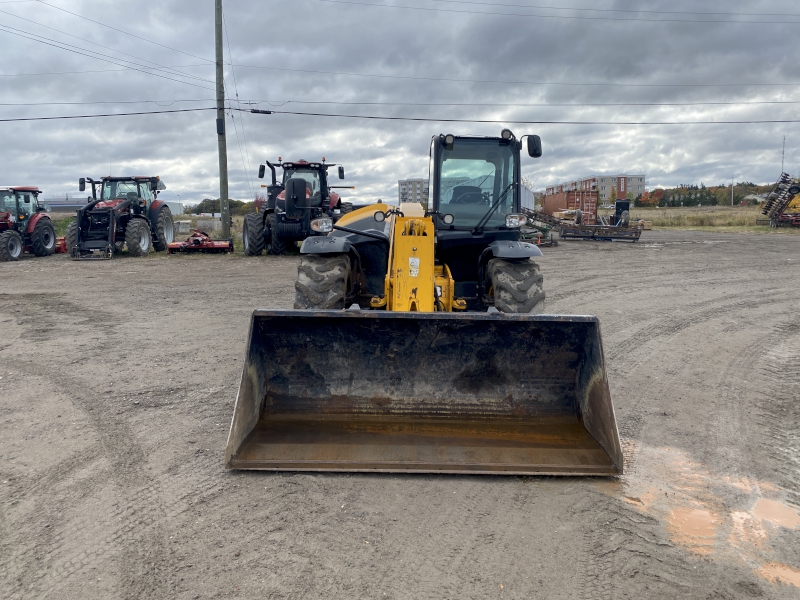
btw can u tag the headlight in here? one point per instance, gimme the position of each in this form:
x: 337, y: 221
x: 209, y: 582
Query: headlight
x: 516, y: 220
x: 323, y: 225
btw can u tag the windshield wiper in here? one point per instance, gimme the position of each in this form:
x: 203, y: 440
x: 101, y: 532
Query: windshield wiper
x: 485, y: 219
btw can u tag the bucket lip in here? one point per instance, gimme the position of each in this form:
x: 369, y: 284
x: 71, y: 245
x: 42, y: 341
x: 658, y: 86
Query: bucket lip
x: 426, y: 316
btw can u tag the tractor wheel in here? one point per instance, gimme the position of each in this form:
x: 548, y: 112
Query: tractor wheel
x: 517, y: 286
x: 43, y: 238
x: 71, y: 236
x: 276, y: 244
x: 322, y: 281
x: 165, y: 230
x: 345, y: 207
x: 137, y: 237
x: 253, y: 234
x: 10, y: 246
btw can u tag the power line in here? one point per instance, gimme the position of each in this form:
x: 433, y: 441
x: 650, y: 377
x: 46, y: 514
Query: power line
x: 517, y: 122
x: 122, y: 31
x: 619, y: 10
x: 504, y: 82
x: 153, y: 112
x: 561, y: 17
x: 279, y: 103
x: 157, y: 102
x: 77, y: 50
x: 247, y: 168
x: 422, y: 119
x: 160, y: 67
x: 83, y: 72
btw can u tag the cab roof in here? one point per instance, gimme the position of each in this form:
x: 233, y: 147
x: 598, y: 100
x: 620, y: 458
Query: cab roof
x: 22, y: 188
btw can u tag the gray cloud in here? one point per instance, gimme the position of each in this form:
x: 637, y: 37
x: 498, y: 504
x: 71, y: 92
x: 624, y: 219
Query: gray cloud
x: 287, y: 40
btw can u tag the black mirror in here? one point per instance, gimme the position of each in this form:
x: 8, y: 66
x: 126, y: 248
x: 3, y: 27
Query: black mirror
x: 380, y: 216
x: 154, y: 184
x: 82, y: 184
x: 27, y: 200
x: 534, y: 146
x: 261, y: 170
x: 448, y: 219
x: 341, y: 172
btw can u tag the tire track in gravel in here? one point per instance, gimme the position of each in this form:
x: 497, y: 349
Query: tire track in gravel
x: 779, y: 405
x: 607, y: 547
x: 627, y: 354
x: 137, y: 527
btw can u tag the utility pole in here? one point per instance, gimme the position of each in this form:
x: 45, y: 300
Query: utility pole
x: 222, y: 145
x: 731, y: 191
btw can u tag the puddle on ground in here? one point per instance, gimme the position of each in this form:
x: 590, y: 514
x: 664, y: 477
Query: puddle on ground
x: 783, y: 573
x: 694, y: 528
x: 699, y: 515
x: 777, y: 513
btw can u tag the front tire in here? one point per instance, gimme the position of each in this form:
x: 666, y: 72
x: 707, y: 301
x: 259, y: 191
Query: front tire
x: 43, y: 238
x: 517, y: 286
x: 165, y: 230
x: 322, y: 281
x: 253, y: 234
x: 71, y: 237
x: 10, y: 246
x: 276, y: 245
x: 137, y: 237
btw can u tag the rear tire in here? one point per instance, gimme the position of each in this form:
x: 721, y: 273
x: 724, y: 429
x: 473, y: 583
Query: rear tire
x: 276, y: 245
x: 517, y: 286
x: 43, y: 238
x: 322, y: 281
x: 253, y: 234
x: 165, y: 230
x: 137, y: 237
x: 71, y: 237
x: 10, y: 246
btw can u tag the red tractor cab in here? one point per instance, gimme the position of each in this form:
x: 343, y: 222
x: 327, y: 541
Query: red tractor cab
x: 122, y: 211
x: 287, y: 213
x: 25, y: 225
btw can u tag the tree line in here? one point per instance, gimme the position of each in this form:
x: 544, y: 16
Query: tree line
x: 209, y: 205
x: 694, y: 195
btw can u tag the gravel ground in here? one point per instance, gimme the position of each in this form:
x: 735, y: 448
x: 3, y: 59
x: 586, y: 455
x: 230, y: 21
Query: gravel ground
x: 118, y: 381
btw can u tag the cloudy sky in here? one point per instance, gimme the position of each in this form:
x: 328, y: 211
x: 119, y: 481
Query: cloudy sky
x: 496, y: 60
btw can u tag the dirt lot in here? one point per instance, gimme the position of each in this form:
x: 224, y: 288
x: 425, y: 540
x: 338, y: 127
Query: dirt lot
x: 118, y: 381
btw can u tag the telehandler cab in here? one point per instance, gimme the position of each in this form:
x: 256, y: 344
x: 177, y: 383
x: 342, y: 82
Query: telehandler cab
x: 417, y: 347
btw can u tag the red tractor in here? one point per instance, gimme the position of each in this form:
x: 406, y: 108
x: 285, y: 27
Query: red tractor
x: 279, y: 220
x: 122, y: 211
x: 25, y: 225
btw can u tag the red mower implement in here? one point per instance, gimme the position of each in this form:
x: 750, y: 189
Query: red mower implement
x: 200, y: 242
x: 122, y: 211
x: 25, y: 225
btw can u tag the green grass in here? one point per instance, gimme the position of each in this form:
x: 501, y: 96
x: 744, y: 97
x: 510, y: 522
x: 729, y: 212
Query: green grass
x: 718, y: 218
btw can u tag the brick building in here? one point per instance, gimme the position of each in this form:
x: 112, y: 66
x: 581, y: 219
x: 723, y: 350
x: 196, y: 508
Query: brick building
x: 603, y: 184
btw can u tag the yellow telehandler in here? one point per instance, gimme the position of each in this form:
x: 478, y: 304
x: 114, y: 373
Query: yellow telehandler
x: 418, y: 343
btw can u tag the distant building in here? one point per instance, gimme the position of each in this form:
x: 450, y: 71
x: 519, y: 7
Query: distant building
x: 412, y: 190
x: 603, y: 184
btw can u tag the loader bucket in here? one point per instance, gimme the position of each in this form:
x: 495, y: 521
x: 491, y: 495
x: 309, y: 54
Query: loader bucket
x: 413, y: 392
